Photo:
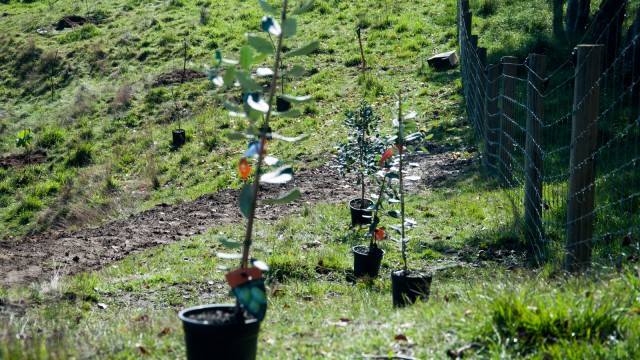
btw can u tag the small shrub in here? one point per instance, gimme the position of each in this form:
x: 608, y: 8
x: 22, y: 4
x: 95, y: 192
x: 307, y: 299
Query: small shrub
x: 50, y: 138
x: 81, y: 156
x: 156, y: 96
x: 205, y: 17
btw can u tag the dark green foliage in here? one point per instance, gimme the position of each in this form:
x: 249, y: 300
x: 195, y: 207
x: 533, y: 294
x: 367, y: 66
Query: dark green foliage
x: 81, y: 156
x: 50, y: 138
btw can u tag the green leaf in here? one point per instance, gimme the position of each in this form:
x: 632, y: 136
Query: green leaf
x: 283, y: 199
x: 261, y: 44
x: 229, y: 243
x: 229, y: 62
x: 244, y: 200
x: 395, y: 214
x: 231, y: 106
x: 24, y: 139
x: 234, y: 135
x: 228, y: 256
x: 278, y: 176
x: 246, y: 82
x: 296, y: 99
x: 287, y: 114
x: 229, y: 76
x: 245, y: 57
x: 295, y: 71
x: 289, y: 139
x: 428, y: 137
x: 391, y: 175
x: 266, y: 7
x: 304, y: 8
x: 413, y: 136
x: 393, y: 201
x: 304, y: 50
x: 289, y: 27
x: 410, y: 115
x: 270, y: 25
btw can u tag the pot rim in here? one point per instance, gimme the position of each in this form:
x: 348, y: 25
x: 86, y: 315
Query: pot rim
x: 358, y: 199
x: 400, y: 273
x: 353, y: 249
x: 184, y: 318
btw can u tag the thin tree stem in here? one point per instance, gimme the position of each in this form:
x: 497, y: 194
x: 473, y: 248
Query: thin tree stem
x: 400, y: 150
x: 263, y: 142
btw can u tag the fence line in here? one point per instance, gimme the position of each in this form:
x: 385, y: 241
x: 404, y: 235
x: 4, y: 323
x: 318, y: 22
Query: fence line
x: 565, y: 146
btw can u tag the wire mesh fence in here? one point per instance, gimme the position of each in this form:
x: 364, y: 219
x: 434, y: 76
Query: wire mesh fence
x: 564, y: 142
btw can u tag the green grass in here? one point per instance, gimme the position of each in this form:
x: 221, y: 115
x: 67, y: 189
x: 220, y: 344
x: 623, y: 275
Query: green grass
x: 105, y: 97
x: 128, y: 309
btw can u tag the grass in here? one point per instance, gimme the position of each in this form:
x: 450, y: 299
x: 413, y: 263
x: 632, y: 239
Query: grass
x: 128, y: 309
x: 106, y: 96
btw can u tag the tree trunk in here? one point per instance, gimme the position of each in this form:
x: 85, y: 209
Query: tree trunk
x: 607, y: 27
x: 558, y: 30
x: 577, y: 17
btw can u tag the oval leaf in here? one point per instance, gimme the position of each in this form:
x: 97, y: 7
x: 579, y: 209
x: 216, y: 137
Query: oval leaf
x: 261, y: 44
x: 270, y: 25
x: 295, y: 71
x: 304, y: 8
x: 271, y: 161
x: 264, y: 71
x: 289, y: 139
x: 245, y: 57
x: 304, y: 50
x: 289, y: 27
x: 296, y: 99
x: 412, y: 178
x: 395, y: 214
x: 246, y: 82
x: 229, y: 243
x: 411, y: 115
x: 287, y: 114
x: 266, y: 7
x: 257, y: 103
x: 244, y: 200
x: 278, y: 176
x: 228, y: 256
x: 283, y: 199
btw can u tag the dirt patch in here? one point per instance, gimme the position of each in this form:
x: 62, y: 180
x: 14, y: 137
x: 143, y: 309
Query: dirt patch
x: 70, y: 21
x: 23, y: 159
x: 28, y: 259
x: 178, y: 76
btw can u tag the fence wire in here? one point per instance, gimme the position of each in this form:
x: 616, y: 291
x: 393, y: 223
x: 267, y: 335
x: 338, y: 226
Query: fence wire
x: 564, y: 142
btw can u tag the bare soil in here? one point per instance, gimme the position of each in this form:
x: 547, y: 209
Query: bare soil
x: 22, y: 159
x: 40, y: 257
x: 178, y: 76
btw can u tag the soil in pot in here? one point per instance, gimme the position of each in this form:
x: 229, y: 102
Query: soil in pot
x: 361, y: 213
x: 366, y: 261
x: 407, y: 288
x: 213, y: 332
x: 179, y: 137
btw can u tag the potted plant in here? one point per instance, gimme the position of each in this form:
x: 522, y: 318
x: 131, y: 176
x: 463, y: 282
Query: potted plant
x: 360, y: 154
x: 406, y: 285
x: 367, y: 259
x: 230, y: 331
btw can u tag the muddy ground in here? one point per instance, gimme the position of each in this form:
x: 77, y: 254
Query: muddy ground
x: 28, y: 259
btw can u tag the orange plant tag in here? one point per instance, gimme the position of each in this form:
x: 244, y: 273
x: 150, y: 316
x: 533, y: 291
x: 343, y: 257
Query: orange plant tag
x: 238, y: 277
x: 244, y: 168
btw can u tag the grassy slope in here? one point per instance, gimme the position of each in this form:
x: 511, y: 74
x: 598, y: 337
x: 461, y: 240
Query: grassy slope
x: 490, y: 303
x: 107, y: 130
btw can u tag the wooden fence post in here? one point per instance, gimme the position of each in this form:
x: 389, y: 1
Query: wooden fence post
x: 537, y: 65
x: 507, y: 146
x: 582, y: 172
x: 492, y: 121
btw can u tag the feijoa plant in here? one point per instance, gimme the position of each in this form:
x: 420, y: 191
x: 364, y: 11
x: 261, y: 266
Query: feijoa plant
x: 402, y: 124
x: 257, y: 110
x: 361, y: 152
x: 24, y: 139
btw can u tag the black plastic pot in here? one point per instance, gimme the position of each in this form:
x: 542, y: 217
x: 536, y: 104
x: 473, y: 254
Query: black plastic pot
x: 219, y: 341
x: 179, y: 137
x: 366, y: 261
x: 360, y: 213
x: 407, y: 288
x: 282, y: 104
